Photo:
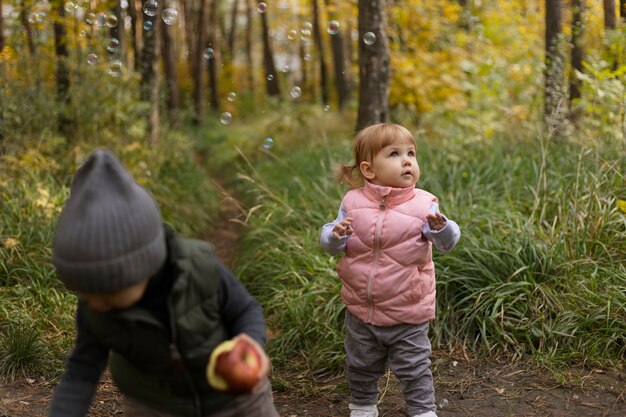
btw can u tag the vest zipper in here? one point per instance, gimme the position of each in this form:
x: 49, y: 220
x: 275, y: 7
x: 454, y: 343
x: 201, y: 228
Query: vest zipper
x: 179, y: 364
x: 370, y: 278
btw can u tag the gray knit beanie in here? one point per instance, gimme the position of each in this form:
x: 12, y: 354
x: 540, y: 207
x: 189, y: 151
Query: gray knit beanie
x: 109, y: 235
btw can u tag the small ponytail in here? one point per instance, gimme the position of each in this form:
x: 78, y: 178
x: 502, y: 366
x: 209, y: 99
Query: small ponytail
x: 345, y: 175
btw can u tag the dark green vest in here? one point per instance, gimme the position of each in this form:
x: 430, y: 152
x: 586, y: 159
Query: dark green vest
x: 166, y: 369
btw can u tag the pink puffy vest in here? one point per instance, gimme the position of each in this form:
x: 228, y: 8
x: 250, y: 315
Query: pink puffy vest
x: 387, y: 273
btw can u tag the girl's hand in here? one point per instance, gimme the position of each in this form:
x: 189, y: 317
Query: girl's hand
x: 343, y: 228
x: 436, y: 221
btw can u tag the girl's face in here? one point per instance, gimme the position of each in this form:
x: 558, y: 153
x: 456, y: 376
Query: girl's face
x: 124, y: 298
x: 394, y: 165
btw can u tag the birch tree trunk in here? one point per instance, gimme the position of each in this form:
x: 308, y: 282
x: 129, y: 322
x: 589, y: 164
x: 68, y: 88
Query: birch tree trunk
x: 374, y: 64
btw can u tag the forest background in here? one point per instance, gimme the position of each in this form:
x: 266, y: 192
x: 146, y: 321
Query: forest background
x: 517, y: 106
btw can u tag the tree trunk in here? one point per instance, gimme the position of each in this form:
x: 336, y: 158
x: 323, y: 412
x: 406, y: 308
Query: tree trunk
x: 271, y: 78
x: 117, y: 31
x: 198, y: 67
x: 233, y: 29
x: 348, y: 48
x: 62, y: 70
x: 248, y: 44
x: 169, y: 65
x: 317, y: 37
x: 343, y: 92
x: 610, y: 24
x: 150, y: 75
x: 214, y: 42
x: 136, y: 23
x: 24, y: 11
x: 304, y: 76
x: 374, y: 64
x: 191, y: 42
x: 553, y: 87
x: 610, y: 19
x: 1, y: 28
x: 622, y: 10
x: 578, y: 9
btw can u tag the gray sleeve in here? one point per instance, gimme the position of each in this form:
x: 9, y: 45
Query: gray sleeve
x: 85, y: 364
x: 329, y: 243
x: 445, y: 239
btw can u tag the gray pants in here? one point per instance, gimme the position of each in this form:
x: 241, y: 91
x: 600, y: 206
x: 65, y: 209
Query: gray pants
x: 258, y: 404
x: 404, y: 347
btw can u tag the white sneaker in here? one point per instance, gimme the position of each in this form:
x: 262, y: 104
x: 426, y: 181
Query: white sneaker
x: 427, y: 414
x: 363, y: 410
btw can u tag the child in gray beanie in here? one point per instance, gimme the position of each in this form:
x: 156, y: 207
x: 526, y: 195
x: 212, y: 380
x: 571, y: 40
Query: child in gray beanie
x: 151, y: 305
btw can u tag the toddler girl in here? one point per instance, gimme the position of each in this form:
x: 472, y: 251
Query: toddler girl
x: 386, y: 229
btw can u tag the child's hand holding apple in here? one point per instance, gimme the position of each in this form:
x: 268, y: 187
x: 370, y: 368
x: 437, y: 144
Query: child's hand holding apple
x: 237, y: 366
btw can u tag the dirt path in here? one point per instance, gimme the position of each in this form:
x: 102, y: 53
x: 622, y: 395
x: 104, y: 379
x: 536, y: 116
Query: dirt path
x: 464, y: 386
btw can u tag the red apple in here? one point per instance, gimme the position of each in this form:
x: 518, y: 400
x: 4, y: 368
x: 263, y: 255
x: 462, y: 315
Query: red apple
x: 234, y: 367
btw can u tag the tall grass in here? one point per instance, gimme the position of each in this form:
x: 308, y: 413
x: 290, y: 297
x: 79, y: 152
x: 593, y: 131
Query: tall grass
x: 540, y: 268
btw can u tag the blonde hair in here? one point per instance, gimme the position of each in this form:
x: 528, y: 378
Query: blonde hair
x: 367, y: 143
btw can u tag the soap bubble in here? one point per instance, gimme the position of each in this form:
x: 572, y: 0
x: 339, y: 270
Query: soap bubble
x: 231, y: 96
x: 333, y: 27
x: 101, y: 19
x: 150, y: 8
x: 115, y: 68
x: 327, y: 107
x: 292, y: 35
x: 369, y: 38
x: 111, y: 20
x: 147, y: 25
x: 170, y: 16
x: 113, y: 45
x: 90, y: 18
x: 270, y: 77
x: 268, y: 143
x: 443, y: 403
x: 296, y: 92
x: 208, y: 53
x: 92, y: 59
x: 70, y: 8
x: 226, y: 118
x: 261, y: 7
